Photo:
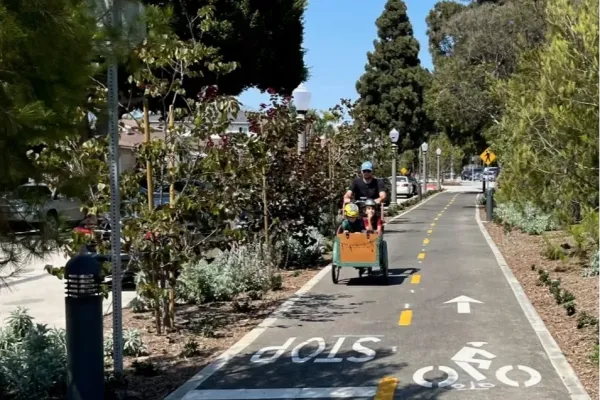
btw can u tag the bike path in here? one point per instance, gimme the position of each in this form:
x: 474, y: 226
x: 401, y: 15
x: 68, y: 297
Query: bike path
x: 344, y: 340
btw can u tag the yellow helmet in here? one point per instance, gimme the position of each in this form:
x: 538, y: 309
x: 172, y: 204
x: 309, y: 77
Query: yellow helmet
x: 351, y: 210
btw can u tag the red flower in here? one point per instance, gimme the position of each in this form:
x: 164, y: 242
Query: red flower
x: 210, y: 93
x: 271, y: 91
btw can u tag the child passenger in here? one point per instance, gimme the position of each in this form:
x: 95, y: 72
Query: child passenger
x: 372, y: 221
x: 352, y: 223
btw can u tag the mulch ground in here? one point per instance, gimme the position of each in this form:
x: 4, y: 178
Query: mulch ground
x: 213, y: 327
x: 522, y: 251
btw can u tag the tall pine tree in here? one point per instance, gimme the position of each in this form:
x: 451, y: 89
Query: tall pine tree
x: 392, y: 87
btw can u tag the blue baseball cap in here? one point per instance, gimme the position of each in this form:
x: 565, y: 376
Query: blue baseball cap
x: 366, y: 166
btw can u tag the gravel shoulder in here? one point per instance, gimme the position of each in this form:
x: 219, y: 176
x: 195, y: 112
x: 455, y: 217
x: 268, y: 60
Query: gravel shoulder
x: 526, y: 255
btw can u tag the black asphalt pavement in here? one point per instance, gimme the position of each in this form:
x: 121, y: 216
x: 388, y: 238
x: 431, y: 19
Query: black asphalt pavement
x: 448, y: 326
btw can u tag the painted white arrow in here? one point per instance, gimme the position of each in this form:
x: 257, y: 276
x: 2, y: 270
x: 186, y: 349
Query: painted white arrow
x: 463, y: 304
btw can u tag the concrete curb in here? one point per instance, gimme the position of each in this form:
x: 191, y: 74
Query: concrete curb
x: 251, y: 336
x: 557, y: 358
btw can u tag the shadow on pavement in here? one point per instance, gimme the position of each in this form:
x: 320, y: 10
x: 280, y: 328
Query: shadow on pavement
x: 320, y: 308
x: 403, y: 221
x: 396, y: 231
x: 241, y: 373
x: 396, y: 276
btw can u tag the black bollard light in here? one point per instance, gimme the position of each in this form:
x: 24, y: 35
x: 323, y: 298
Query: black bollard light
x: 489, y: 203
x: 483, y: 180
x: 85, y: 336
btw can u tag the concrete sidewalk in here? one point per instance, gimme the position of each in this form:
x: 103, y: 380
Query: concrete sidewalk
x: 43, y: 294
x: 448, y: 326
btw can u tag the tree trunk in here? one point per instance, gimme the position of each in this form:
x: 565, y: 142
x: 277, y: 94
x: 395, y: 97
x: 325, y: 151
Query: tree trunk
x: 265, y: 210
x: 164, y: 300
x: 155, y: 285
x: 172, y: 284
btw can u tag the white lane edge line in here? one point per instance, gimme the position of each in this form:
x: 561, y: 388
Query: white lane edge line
x: 282, y: 393
x: 251, y: 336
x: 556, y: 356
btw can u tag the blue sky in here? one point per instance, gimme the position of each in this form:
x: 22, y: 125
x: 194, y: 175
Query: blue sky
x: 337, y: 36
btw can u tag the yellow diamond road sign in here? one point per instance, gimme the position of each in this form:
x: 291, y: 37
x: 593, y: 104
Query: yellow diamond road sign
x: 487, y: 156
x: 403, y: 171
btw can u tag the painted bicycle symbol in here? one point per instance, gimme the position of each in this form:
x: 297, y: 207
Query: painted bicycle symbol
x: 466, y: 358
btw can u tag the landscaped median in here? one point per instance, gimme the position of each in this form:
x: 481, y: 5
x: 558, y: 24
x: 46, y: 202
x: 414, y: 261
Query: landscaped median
x: 558, y: 269
x: 219, y: 300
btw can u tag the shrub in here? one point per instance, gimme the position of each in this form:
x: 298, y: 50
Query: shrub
x: 239, y: 270
x: 303, y: 248
x: 584, y: 319
x: 133, y: 345
x: 528, y: 218
x: 553, y: 252
x: 593, y: 269
x: 33, y: 359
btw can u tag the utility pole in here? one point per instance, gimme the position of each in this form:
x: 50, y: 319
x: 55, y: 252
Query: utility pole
x: 115, y: 196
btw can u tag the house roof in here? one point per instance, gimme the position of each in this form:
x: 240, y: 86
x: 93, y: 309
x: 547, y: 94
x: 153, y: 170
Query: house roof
x: 132, y: 133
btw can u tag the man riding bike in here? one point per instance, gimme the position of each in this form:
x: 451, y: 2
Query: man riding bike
x: 366, y: 187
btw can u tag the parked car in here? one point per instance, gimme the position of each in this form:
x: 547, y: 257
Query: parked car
x: 404, y: 187
x: 472, y: 174
x: 490, y: 174
x: 38, y: 206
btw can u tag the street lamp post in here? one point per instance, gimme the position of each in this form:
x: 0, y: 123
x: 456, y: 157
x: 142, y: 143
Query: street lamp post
x: 301, y: 98
x: 473, y: 161
x: 438, y: 153
x: 424, y: 151
x: 394, y: 135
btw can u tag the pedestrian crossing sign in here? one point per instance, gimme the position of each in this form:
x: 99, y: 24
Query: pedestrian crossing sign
x: 403, y: 171
x: 488, y: 156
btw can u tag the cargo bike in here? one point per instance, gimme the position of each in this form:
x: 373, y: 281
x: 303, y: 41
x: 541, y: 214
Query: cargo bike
x: 364, y: 251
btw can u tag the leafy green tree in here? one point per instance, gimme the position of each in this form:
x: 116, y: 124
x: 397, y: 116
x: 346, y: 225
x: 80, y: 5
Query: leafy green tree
x: 473, y: 47
x: 262, y: 39
x: 45, y: 66
x: 451, y: 158
x: 440, y: 43
x: 547, y: 139
x: 45, y: 63
x: 391, y: 89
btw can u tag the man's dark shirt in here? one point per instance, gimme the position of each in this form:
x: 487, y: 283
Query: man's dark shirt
x: 368, y: 190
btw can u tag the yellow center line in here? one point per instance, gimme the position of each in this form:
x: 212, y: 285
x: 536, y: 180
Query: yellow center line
x: 415, y: 279
x: 386, y: 388
x: 421, y: 256
x: 433, y: 224
x: 430, y: 231
x: 405, y: 318
x: 425, y: 241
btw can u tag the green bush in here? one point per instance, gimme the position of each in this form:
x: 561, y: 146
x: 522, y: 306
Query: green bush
x: 242, y: 269
x: 593, y: 269
x: 33, y: 359
x: 528, y: 218
x: 303, y: 248
x: 133, y: 345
